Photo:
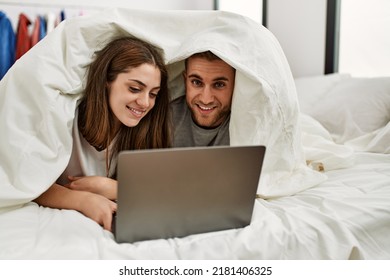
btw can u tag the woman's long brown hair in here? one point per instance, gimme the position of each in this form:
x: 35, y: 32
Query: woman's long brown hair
x: 96, y: 120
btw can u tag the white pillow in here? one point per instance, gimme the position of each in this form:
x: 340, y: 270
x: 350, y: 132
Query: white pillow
x: 354, y: 107
x: 311, y: 88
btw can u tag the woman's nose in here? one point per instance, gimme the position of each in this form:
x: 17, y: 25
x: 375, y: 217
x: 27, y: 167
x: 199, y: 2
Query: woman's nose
x: 143, y: 99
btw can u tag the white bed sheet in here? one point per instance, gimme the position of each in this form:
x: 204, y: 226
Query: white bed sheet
x: 346, y: 217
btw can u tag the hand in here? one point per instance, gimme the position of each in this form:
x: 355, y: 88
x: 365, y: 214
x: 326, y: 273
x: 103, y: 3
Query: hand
x: 94, y: 206
x: 104, y: 186
x: 98, y: 208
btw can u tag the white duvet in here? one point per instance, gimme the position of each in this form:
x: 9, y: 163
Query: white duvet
x: 39, y: 94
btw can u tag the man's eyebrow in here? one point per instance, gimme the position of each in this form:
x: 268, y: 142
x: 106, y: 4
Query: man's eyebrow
x: 215, y: 79
x: 221, y: 79
x: 195, y: 76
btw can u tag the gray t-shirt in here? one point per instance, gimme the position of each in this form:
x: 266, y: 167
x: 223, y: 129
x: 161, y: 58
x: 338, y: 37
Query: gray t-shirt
x: 188, y: 134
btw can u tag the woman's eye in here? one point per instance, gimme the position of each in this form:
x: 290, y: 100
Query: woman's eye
x: 134, y: 89
x: 153, y: 95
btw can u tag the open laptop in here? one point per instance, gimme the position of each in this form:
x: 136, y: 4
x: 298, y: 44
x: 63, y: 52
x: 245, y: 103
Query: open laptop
x: 165, y: 193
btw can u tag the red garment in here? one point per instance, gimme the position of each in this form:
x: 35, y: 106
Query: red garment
x: 35, y: 32
x: 23, y: 41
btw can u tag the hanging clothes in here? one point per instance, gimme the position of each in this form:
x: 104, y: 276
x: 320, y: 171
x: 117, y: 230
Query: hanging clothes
x: 50, y: 22
x: 35, y: 32
x: 7, y: 44
x: 62, y: 15
x: 42, y: 29
x: 23, y: 41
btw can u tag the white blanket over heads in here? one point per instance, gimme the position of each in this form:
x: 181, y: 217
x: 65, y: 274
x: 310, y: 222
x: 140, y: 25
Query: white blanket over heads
x: 39, y: 94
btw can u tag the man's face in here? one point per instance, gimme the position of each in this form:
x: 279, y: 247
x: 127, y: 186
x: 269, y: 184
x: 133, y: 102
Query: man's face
x: 209, y: 90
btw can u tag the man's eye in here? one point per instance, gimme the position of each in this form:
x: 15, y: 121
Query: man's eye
x: 196, y: 83
x: 219, y: 84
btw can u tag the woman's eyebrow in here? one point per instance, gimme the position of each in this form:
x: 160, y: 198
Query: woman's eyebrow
x: 142, y: 84
x: 137, y: 81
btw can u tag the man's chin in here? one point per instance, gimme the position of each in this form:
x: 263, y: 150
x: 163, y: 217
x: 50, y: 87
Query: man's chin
x: 205, y: 123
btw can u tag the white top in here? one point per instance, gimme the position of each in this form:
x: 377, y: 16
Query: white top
x: 85, y: 160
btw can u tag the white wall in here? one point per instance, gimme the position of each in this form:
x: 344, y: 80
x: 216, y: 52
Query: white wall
x: 136, y: 4
x: 33, y: 8
x: 300, y: 27
x: 249, y: 8
x: 364, y: 38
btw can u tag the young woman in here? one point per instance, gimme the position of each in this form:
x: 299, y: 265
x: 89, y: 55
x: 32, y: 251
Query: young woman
x: 125, y: 107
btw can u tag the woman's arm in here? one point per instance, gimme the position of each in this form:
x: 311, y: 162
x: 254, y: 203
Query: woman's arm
x: 94, y: 206
x: 104, y: 186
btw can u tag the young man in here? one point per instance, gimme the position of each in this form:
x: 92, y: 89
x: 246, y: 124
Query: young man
x: 201, y: 117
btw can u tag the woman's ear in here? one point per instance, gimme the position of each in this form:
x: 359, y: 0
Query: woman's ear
x: 108, y: 87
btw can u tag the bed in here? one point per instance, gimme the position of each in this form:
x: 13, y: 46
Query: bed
x: 325, y: 191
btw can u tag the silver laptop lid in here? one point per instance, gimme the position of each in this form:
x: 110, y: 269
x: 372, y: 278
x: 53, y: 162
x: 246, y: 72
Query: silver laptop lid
x: 164, y: 193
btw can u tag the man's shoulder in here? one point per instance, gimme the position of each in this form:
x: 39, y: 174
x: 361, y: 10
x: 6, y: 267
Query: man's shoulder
x: 178, y: 101
x: 179, y: 105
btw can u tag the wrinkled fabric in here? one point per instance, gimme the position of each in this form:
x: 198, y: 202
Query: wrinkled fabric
x: 39, y: 105
x: 346, y: 217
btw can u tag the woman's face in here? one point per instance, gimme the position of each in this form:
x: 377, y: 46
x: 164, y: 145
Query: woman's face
x: 133, y: 94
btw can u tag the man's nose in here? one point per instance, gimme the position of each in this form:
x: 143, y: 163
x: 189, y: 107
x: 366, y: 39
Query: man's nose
x: 206, y: 95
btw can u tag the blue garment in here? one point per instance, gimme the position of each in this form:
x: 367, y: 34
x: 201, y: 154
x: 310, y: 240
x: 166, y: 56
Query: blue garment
x: 62, y: 15
x: 7, y: 44
x: 42, y: 28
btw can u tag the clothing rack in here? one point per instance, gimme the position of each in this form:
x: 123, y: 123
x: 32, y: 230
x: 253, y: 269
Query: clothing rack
x: 31, y: 10
x: 63, y: 4
x: 134, y: 4
x: 24, y: 23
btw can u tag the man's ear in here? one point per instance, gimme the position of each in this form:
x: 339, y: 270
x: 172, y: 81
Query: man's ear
x: 184, y: 75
